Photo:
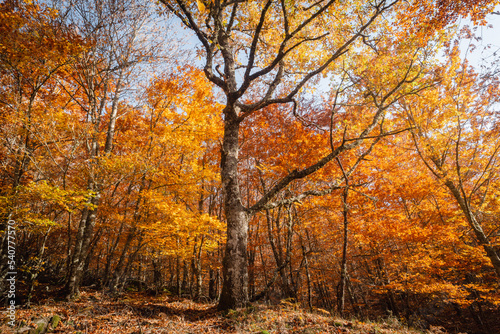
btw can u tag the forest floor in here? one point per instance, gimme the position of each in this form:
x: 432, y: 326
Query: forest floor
x: 134, y: 313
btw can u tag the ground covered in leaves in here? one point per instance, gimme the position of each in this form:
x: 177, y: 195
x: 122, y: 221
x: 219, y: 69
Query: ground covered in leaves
x: 94, y: 312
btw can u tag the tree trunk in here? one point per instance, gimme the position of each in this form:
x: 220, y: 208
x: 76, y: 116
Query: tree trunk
x: 178, y: 286
x: 83, y: 239
x: 185, y: 277
x: 476, y: 227
x: 251, y: 275
x: 308, y: 277
x: 213, y: 282
x: 343, y: 266
x: 36, y: 268
x: 197, y: 273
x: 120, y: 266
x: 235, y: 264
x: 106, y: 278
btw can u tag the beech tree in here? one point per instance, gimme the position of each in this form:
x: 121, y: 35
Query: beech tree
x: 261, y: 53
x: 35, y: 49
x: 359, y: 170
x: 115, y: 48
x: 455, y: 134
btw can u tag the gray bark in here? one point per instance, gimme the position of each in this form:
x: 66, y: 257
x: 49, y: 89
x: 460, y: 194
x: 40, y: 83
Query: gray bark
x: 108, y: 63
x: 235, y: 271
x: 475, y: 224
x: 216, y: 35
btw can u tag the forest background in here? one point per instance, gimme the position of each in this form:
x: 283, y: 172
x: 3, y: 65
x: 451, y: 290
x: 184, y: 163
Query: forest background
x: 341, y: 156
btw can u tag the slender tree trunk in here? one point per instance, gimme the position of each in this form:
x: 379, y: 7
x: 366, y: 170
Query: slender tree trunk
x: 308, y: 277
x: 122, y: 279
x: 111, y: 254
x: 36, y: 268
x: 120, y: 266
x: 251, y: 274
x: 197, y: 268
x: 178, y: 285
x: 68, y: 252
x: 211, y: 284
x: 291, y: 286
x: 490, y: 250
x: 171, y: 272
x: 213, y: 289
x: 185, y: 277
x: 91, y: 249
x: 83, y: 240
x: 343, y: 265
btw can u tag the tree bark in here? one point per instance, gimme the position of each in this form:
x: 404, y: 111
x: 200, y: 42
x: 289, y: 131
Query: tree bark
x: 83, y: 239
x: 343, y: 266
x: 213, y: 284
x: 235, y: 271
x: 216, y: 33
x: 197, y: 272
x: 482, y: 238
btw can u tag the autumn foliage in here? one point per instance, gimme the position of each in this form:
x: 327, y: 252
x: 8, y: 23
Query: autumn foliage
x: 349, y: 159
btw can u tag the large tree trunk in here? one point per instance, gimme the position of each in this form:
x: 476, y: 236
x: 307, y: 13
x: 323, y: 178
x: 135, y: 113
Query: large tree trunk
x: 235, y: 264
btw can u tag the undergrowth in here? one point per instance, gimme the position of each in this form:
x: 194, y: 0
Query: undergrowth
x: 134, y: 313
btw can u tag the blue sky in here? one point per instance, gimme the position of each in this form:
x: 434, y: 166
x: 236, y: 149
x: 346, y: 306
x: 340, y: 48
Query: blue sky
x: 489, y: 44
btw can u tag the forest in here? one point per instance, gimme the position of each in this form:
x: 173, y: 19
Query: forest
x: 336, y: 157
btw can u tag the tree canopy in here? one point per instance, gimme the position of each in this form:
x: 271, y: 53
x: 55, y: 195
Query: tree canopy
x: 339, y: 154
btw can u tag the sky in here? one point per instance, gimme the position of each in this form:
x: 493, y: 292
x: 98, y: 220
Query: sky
x: 488, y: 46
x: 482, y: 56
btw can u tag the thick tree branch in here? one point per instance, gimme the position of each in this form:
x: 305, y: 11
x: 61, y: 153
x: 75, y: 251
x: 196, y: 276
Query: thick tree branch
x: 264, y: 204
x: 249, y: 78
x: 188, y: 20
x: 345, y: 145
x: 253, y: 46
x: 266, y: 101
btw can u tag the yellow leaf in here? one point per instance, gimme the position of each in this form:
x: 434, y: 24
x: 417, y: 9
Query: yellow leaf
x: 201, y: 6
